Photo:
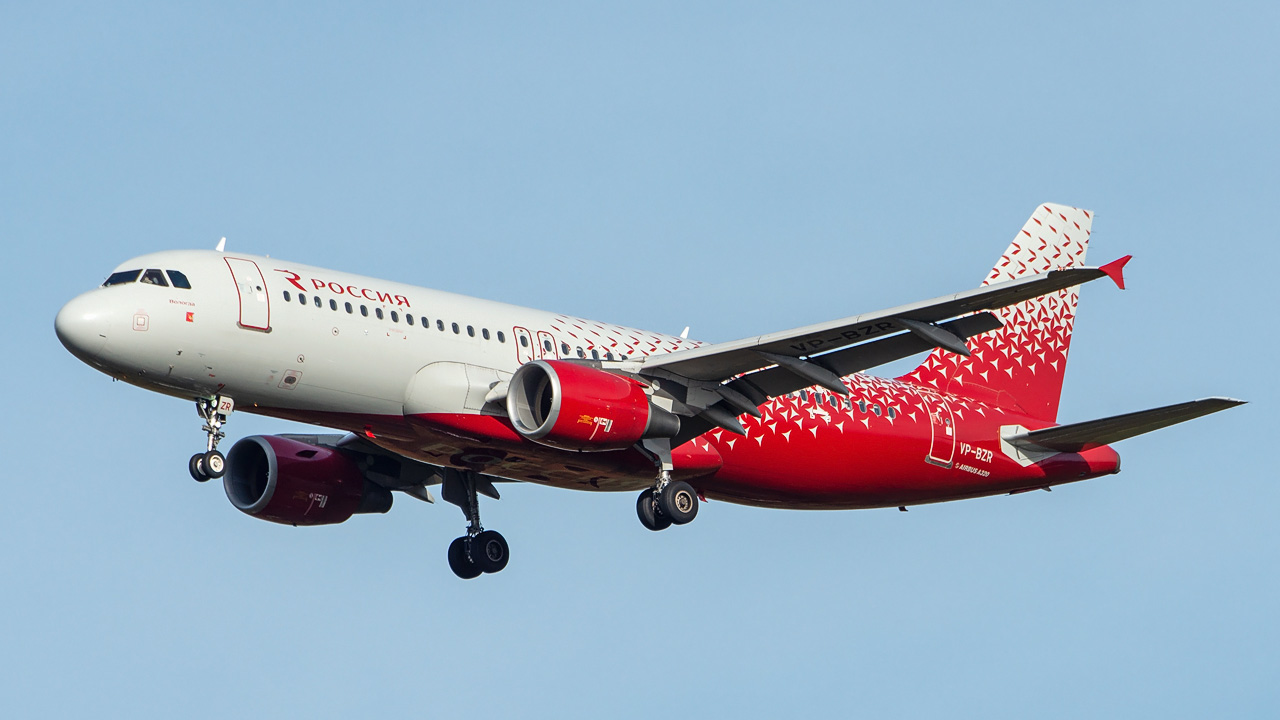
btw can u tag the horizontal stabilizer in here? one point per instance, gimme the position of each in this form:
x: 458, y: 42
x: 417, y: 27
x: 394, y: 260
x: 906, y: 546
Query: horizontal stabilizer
x: 1077, y: 437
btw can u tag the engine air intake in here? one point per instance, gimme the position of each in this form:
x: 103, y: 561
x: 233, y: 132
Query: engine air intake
x: 575, y: 407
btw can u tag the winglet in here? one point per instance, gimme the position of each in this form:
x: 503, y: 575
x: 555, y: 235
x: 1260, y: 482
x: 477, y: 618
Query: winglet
x: 1115, y: 270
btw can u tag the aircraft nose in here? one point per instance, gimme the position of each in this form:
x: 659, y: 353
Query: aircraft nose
x: 82, y: 325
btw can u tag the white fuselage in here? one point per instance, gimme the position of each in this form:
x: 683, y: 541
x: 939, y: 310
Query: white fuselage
x: 324, y: 346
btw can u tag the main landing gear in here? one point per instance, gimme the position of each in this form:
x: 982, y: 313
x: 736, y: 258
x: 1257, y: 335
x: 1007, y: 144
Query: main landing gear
x: 667, y: 503
x: 211, y: 464
x: 479, y: 551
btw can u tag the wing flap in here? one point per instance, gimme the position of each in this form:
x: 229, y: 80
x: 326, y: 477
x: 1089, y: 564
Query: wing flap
x: 776, y: 381
x: 1077, y: 437
x: 724, y: 360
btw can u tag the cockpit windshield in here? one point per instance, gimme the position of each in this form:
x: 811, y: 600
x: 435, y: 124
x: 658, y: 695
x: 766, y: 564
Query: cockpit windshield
x: 154, y: 277
x: 150, y: 276
x: 179, y: 280
x: 122, y: 277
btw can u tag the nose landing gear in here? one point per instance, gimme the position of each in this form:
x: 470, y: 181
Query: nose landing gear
x: 211, y: 464
x: 479, y: 551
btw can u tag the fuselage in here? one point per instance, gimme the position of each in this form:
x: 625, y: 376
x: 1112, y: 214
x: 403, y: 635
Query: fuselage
x: 410, y: 368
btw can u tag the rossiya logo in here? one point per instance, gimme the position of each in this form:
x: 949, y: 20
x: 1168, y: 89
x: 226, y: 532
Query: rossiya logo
x: 339, y: 289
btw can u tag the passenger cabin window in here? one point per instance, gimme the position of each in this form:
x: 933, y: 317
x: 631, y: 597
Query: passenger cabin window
x: 408, y: 318
x: 349, y: 308
x: 317, y: 298
x: 440, y: 325
x: 333, y: 304
x: 179, y: 280
x: 395, y: 316
x: 154, y: 277
x: 501, y: 338
x: 364, y: 310
x: 456, y: 330
x: 484, y: 333
x: 471, y: 331
x: 122, y: 277
x: 287, y: 296
x: 564, y: 349
x: 302, y: 298
x: 378, y: 312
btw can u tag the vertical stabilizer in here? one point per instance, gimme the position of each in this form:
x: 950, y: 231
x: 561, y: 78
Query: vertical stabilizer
x: 1021, y: 365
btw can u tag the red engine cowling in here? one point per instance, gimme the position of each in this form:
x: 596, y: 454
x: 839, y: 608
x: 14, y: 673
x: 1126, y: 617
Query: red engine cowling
x: 575, y: 407
x: 294, y: 483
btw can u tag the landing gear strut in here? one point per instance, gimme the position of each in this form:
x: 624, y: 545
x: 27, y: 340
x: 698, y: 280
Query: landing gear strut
x: 669, y: 502
x: 211, y: 464
x: 479, y: 551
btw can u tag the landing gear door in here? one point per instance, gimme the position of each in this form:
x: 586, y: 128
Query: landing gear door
x: 942, y: 424
x: 251, y: 287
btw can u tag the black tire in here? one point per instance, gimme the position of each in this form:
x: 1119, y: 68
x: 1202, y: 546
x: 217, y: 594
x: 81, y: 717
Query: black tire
x: 648, y: 512
x: 679, y: 502
x: 196, y: 468
x: 214, y: 464
x: 459, y: 563
x: 489, y: 551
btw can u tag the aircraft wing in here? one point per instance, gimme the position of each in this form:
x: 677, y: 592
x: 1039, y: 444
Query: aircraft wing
x: 1094, y: 433
x: 722, y: 361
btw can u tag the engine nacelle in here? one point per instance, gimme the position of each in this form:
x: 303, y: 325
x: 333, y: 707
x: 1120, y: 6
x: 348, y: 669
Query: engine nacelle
x: 574, y: 407
x: 294, y: 483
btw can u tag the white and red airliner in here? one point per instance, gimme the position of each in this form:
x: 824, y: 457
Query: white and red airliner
x: 433, y: 388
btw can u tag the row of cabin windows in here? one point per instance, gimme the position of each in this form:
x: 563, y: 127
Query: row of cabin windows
x: 549, y: 347
x: 395, y: 317
x: 835, y: 402
x: 595, y: 354
x: 150, y: 276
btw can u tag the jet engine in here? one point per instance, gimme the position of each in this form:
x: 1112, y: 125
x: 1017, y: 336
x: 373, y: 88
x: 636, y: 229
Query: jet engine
x: 294, y: 483
x: 575, y: 407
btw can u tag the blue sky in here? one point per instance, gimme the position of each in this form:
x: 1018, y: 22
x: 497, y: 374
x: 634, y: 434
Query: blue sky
x: 739, y: 168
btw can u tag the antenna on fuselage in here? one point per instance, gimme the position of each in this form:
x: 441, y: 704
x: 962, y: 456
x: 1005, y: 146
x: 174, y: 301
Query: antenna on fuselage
x: 685, y: 334
x: 222, y: 245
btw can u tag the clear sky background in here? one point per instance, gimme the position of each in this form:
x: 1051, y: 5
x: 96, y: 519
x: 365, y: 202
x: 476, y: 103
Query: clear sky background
x: 737, y: 167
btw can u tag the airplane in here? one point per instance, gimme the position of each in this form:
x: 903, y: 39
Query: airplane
x: 431, y: 388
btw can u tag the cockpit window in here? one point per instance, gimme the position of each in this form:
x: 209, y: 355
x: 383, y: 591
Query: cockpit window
x: 154, y: 277
x: 179, y: 280
x: 122, y: 277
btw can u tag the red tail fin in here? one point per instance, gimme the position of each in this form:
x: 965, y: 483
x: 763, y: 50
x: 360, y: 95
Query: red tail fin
x: 1021, y: 365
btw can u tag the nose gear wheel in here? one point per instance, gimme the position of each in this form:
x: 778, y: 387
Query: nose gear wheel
x: 211, y: 464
